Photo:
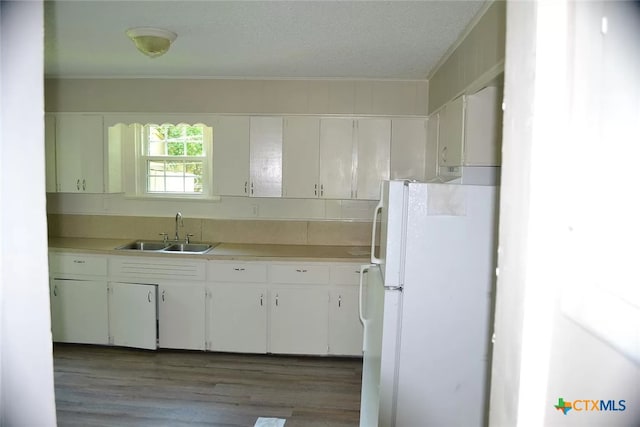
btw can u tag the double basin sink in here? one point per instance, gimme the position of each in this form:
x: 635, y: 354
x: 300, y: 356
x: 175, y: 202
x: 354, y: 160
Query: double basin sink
x: 168, y: 247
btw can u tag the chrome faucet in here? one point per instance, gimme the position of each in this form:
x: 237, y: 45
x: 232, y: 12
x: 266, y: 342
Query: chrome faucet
x: 178, y: 218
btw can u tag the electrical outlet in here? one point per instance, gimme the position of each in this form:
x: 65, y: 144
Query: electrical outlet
x: 254, y: 210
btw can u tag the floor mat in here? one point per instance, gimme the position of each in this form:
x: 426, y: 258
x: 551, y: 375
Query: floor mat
x: 269, y: 422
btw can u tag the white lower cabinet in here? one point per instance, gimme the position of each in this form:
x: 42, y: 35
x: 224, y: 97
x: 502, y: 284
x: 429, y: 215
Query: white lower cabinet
x: 299, y: 320
x: 345, y: 329
x: 79, y: 311
x: 237, y: 318
x: 132, y: 315
x: 181, y: 316
x: 230, y: 306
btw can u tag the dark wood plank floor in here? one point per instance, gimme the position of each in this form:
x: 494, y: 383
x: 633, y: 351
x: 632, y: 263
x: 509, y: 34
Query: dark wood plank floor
x: 110, y: 386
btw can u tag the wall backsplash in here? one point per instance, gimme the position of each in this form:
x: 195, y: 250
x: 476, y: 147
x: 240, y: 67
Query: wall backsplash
x: 338, y: 233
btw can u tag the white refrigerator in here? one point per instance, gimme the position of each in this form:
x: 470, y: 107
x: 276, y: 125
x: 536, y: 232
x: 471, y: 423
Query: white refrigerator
x: 426, y: 306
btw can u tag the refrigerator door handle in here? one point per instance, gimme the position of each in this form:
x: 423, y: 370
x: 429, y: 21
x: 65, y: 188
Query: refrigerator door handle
x: 363, y: 269
x: 374, y: 259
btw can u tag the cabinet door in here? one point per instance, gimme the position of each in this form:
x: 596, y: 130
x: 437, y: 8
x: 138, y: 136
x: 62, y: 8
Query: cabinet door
x: 408, y: 148
x: 132, y: 315
x: 265, y: 152
x: 336, y: 158
x: 300, y: 157
x: 483, y: 128
x: 79, y: 153
x: 431, y: 154
x: 299, y: 320
x: 50, y: 153
x: 345, y: 329
x: 238, y: 318
x: 451, y: 133
x: 374, y: 142
x: 181, y: 319
x: 79, y: 311
x: 231, y: 156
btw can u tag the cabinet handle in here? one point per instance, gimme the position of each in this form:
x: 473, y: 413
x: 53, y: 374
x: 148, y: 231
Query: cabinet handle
x: 252, y: 188
x: 301, y: 270
x: 315, y: 189
x: 149, y: 296
x: 84, y: 185
x: 322, y: 189
x: 246, y: 184
x: 364, y: 272
x: 339, y: 300
x: 55, y: 290
x: 78, y: 184
x: 78, y: 261
x: 261, y: 299
x: 162, y: 296
x: 276, y: 300
x: 444, y: 155
x: 239, y: 269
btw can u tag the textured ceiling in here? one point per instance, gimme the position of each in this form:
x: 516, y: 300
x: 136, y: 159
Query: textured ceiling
x: 255, y: 39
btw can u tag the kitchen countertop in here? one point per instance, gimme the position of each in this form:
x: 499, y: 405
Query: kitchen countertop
x: 223, y: 251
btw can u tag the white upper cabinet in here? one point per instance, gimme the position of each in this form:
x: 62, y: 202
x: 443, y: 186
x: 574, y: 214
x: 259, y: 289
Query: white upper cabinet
x: 50, y: 153
x: 483, y: 128
x: 265, y: 157
x: 374, y: 143
x: 470, y: 130
x: 300, y: 157
x: 79, y: 153
x: 451, y: 133
x: 231, y: 156
x: 408, y: 148
x: 336, y: 158
x: 431, y: 152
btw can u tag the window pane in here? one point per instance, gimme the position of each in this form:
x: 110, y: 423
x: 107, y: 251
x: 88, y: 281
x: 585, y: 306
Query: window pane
x: 157, y: 148
x: 175, y: 149
x: 195, y: 149
x: 175, y: 177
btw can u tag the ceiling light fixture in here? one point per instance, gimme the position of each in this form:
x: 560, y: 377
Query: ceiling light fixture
x: 152, y: 42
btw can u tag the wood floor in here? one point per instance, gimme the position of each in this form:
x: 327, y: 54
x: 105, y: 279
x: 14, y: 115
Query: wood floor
x: 110, y: 386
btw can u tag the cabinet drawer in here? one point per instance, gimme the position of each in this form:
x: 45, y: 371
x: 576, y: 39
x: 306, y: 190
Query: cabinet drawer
x: 299, y: 273
x: 157, y: 268
x: 77, y: 264
x: 237, y: 272
x: 345, y: 274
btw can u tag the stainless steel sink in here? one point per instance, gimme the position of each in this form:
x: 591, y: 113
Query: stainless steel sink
x: 171, y: 247
x: 143, y: 246
x: 189, y: 248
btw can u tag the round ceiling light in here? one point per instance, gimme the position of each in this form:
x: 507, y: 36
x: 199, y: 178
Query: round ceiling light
x: 152, y: 42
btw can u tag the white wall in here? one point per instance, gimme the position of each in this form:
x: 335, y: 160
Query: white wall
x: 476, y: 58
x: 26, y: 363
x: 568, y: 316
x: 241, y: 96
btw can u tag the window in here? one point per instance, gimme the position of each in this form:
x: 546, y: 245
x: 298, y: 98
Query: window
x: 174, y: 160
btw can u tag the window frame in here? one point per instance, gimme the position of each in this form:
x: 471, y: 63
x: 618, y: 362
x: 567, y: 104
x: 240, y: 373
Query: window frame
x: 141, y: 138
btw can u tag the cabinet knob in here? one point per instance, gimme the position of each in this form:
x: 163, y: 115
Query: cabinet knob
x: 78, y: 184
x: 84, y: 185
